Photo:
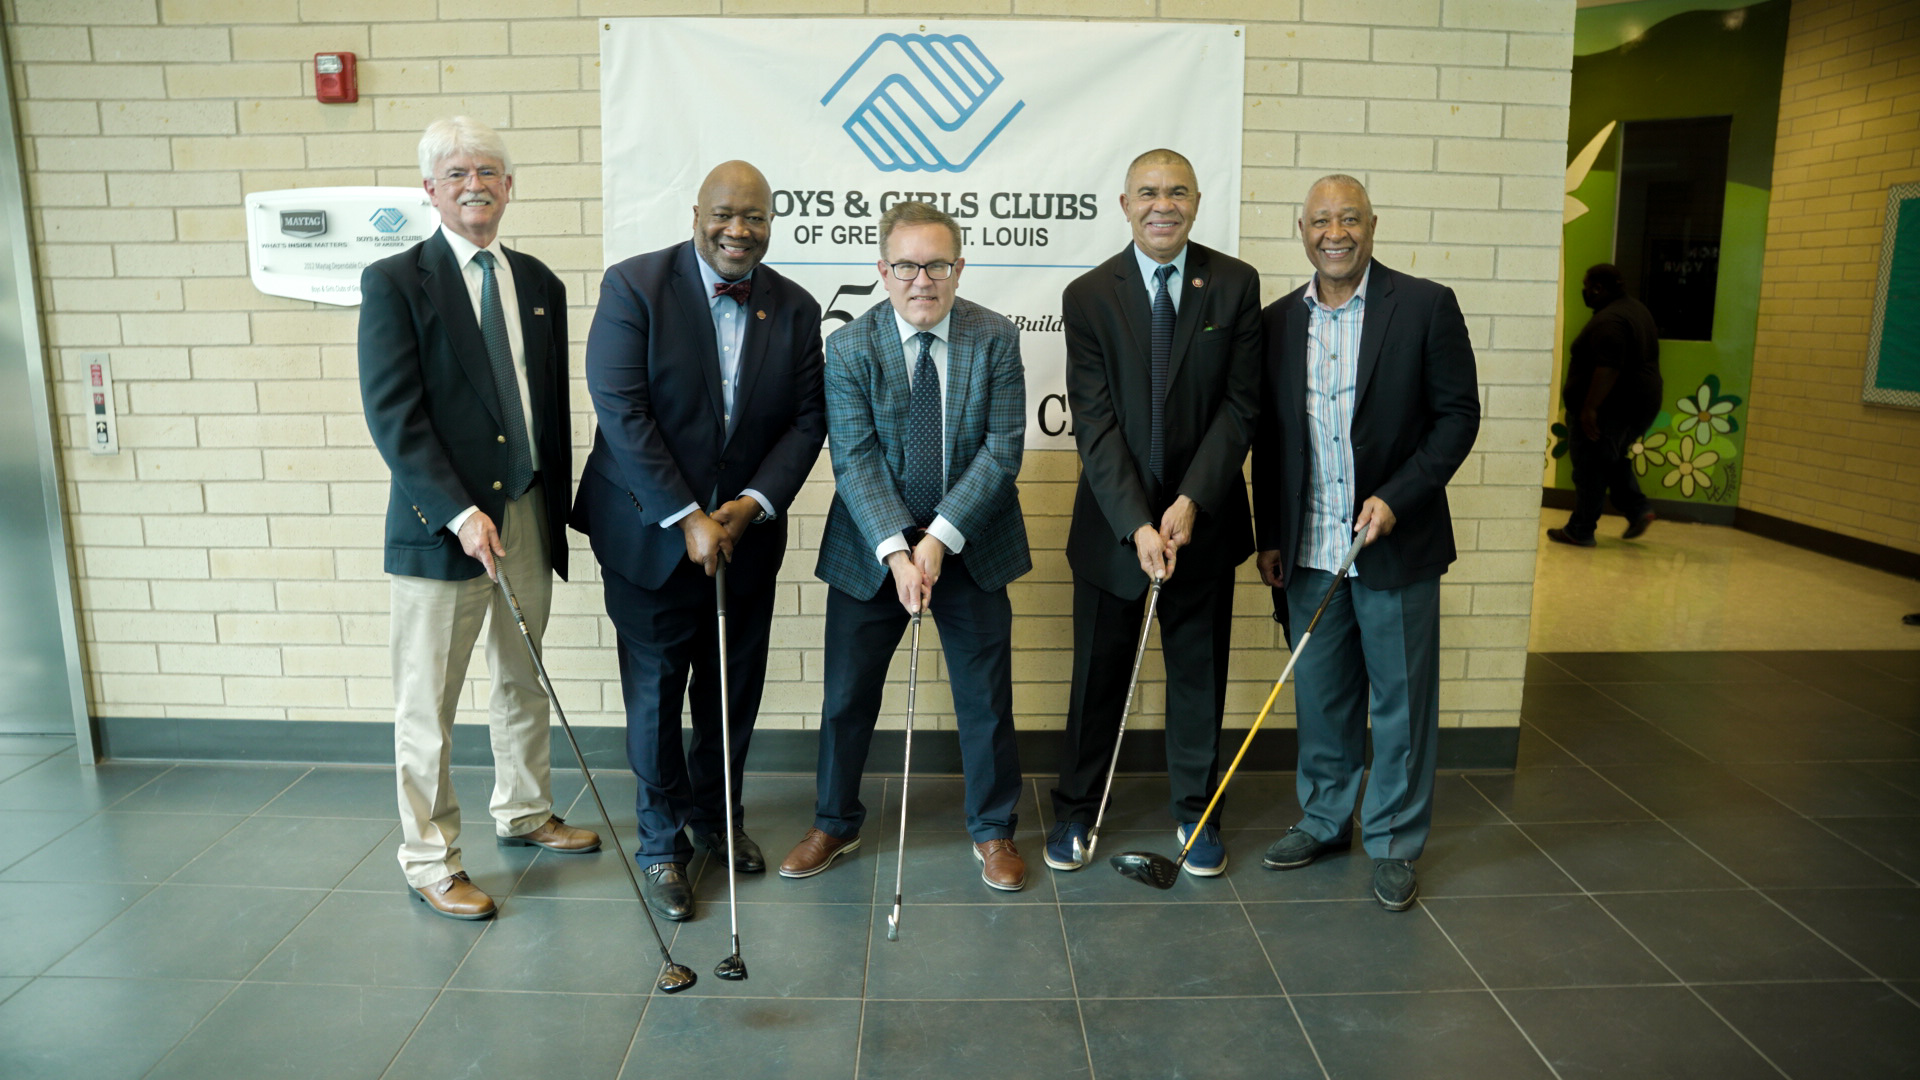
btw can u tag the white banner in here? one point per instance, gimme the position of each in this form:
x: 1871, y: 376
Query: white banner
x: 312, y: 243
x: 1021, y: 130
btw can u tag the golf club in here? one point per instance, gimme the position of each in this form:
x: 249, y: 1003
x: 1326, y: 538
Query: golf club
x: 906, y: 773
x: 1161, y: 872
x: 732, y: 969
x: 1139, y: 653
x: 674, y: 977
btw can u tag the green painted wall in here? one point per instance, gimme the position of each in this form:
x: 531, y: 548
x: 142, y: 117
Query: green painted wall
x: 1694, y: 63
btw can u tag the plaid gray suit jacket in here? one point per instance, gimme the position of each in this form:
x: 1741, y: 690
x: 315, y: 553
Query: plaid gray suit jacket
x: 868, y: 392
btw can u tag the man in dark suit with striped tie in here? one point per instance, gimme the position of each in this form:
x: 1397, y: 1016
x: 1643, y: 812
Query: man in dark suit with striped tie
x: 926, y: 405
x: 463, y: 373
x: 704, y: 367
x: 1163, y: 376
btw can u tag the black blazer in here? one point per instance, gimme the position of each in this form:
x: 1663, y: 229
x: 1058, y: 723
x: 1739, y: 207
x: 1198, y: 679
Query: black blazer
x: 428, y: 391
x: 654, y: 375
x: 1416, y: 413
x: 1213, y: 387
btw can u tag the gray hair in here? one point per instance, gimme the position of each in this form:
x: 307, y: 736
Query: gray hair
x: 452, y: 135
x: 914, y: 212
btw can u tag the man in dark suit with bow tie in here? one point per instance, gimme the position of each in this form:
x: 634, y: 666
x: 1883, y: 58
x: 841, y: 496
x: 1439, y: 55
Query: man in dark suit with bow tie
x: 1370, y: 405
x: 1163, y: 376
x: 926, y: 403
x: 463, y: 373
x: 705, y: 370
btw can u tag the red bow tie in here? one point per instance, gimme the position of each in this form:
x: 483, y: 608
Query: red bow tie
x: 736, y: 289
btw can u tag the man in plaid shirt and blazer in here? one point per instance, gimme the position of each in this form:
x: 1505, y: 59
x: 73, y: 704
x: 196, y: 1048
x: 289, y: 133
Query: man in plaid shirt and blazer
x: 926, y: 417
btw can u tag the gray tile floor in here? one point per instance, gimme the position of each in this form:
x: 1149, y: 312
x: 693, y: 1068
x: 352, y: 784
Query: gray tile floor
x: 1706, y: 865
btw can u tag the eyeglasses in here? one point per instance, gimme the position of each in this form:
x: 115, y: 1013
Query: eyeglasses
x: 907, y: 271
x: 458, y: 177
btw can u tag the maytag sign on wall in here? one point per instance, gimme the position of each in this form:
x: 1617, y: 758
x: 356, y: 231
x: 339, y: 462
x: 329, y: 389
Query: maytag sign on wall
x: 312, y: 243
x: 1021, y: 130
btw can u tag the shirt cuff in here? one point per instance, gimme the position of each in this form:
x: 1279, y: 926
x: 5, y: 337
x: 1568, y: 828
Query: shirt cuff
x: 943, y: 531
x: 891, y: 544
x: 460, y: 519
x: 669, y: 523
x: 766, y: 504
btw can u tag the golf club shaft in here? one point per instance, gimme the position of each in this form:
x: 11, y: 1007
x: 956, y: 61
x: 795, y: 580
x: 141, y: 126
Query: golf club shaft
x: 726, y: 746
x: 546, y: 684
x: 906, y: 774
x: 1126, y: 710
x: 1346, y: 563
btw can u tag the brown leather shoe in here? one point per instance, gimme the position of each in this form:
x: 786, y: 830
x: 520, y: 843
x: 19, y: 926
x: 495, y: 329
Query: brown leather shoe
x: 456, y: 897
x: 814, y: 853
x: 1001, y: 865
x: 556, y: 835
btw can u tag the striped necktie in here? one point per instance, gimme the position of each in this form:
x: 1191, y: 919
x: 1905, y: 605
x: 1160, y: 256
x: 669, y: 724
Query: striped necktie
x: 493, y: 329
x: 1162, y: 358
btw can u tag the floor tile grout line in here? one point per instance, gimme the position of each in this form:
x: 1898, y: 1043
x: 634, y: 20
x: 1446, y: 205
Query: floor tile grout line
x: 1697, y: 995
x: 1285, y: 995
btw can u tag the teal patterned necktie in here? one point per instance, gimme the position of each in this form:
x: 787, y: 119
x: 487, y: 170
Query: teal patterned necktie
x: 493, y: 329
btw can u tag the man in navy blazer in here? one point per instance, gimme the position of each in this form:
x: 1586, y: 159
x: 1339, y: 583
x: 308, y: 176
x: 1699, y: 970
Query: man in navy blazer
x: 1370, y: 405
x: 1163, y: 375
x: 704, y: 368
x: 926, y: 403
x: 463, y: 373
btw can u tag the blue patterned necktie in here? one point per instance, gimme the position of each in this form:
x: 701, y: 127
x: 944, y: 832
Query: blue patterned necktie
x: 924, y: 470
x: 1162, y: 358
x: 493, y: 329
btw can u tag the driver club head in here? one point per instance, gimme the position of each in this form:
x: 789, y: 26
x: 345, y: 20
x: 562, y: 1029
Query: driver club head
x: 732, y: 969
x: 675, y: 978
x: 1146, y: 866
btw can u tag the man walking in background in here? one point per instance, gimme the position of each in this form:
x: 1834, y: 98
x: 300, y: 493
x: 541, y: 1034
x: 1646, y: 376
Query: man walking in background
x: 1612, y: 393
x: 463, y: 374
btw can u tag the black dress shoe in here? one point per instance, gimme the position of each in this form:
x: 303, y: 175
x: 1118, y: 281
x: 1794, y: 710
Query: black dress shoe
x: 1298, y: 848
x: 746, y: 854
x: 1394, y: 884
x: 668, y: 893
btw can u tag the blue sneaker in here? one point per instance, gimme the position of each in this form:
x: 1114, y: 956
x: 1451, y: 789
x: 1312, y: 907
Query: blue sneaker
x: 1208, y: 856
x: 1067, y: 846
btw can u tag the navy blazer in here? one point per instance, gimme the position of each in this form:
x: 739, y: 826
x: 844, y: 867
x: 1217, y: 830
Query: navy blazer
x: 654, y: 374
x: 427, y: 387
x: 1213, y: 385
x: 1416, y: 413
x: 868, y: 396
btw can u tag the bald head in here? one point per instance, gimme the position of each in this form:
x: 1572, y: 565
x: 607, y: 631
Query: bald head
x: 1342, y: 187
x: 733, y: 219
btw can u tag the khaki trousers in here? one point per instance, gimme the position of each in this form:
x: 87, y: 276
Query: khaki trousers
x: 435, y: 625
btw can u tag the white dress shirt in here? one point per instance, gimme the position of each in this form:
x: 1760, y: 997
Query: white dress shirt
x: 1175, y: 281
x: 941, y: 529
x: 729, y: 339
x: 463, y: 252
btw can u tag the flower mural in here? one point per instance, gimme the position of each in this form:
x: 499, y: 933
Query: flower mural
x: 1707, y: 411
x: 1646, y: 451
x: 1689, y: 469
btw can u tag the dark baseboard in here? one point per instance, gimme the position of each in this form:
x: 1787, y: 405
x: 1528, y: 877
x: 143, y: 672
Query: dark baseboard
x: 1668, y: 509
x: 1893, y: 560
x: 934, y: 752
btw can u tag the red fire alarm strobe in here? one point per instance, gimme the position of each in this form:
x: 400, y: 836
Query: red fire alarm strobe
x: 334, y: 81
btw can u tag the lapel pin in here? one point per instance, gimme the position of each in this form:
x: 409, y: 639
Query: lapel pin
x: 539, y: 311
x: 1197, y: 283
x: 760, y: 314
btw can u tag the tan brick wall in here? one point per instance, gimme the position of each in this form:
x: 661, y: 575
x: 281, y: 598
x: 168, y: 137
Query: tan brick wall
x: 1849, y: 130
x: 229, y: 559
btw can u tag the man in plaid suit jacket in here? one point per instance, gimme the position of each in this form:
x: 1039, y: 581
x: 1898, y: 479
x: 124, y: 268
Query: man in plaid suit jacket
x: 926, y: 416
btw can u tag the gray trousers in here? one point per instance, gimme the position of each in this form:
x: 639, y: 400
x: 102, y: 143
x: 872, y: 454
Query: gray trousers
x: 1374, y: 651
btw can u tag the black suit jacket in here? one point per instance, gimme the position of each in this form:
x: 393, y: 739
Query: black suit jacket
x: 1416, y: 413
x: 1213, y: 386
x: 427, y: 387
x: 662, y: 442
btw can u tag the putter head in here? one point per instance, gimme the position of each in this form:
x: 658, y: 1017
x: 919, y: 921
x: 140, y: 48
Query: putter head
x: 732, y: 969
x: 1146, y: 866
x: 675, y: 978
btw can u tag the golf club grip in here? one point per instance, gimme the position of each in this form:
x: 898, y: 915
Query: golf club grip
x: 720, y: 587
